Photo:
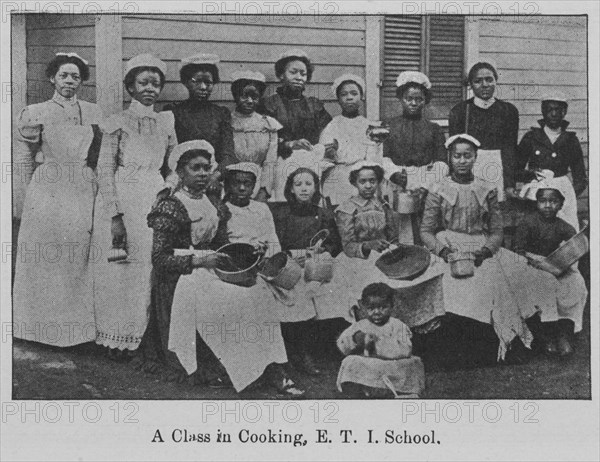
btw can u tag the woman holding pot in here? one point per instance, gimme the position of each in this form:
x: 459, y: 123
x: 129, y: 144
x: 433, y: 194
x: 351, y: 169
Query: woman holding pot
x: 239, y: 316
x: 187, y: 219
x: 414, y: 156
x: 52, y: 289
x: 466, y: 209
x: 136, y: 145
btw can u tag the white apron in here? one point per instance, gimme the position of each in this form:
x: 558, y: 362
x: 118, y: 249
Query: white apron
x: 53, y: 285
x: 241, y: 325
x: 488, y: 167
x: 122, y: 289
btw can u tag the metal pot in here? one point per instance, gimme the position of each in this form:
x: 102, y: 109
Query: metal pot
x: 281, y: 271
x: 245, y: 264
x: 462, y: 264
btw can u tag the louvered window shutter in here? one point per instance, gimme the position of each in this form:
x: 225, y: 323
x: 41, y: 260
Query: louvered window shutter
x: 401, y: 52
x: 430, y: 44
x: 446, y: 63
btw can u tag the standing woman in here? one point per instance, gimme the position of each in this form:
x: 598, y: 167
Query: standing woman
x: 254, y: 135
x: 350, y: 130
x: 52, y: 296
x: 303, y: 118
x: 414, y: 154
x: 197, y: 118
x: 136, y: 145
x: 495, y: 123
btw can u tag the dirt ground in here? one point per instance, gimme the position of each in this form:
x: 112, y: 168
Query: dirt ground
x: 463, y: 369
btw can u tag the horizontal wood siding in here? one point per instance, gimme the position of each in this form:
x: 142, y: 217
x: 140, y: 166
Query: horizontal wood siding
x: 536, y: 57
x: 48, y: 34
x: 244, y: 42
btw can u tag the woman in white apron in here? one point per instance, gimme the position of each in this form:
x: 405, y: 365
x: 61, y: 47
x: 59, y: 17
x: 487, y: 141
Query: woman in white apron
x: 350, y: 131
x: 414, y: 156
x: 135, y: 146
x: 53, y: 287
x: 466, y: 208
x: 547, y: 153
x: 495, y: 123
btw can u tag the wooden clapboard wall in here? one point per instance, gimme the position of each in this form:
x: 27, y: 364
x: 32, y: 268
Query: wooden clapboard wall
x: 48, y: 34
x: 535, y: 56
x: 335, y: 46
x: 430, y: 44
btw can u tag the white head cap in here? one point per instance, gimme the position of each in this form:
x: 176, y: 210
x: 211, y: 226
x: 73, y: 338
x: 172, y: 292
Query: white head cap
x: 463, y: 136
x: 72, y: 55
x: 145, y: 60
x: 248, y: 75
x: 245, y: 167
x: 201, y: 58
x: 345, y: 78
x: 413, y: 77
x: 182, y: 148
x: 555, y: 96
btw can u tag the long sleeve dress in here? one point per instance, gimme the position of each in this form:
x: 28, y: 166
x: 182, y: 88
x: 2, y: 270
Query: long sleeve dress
x: 53, y: 284
x: 135, y: 147
x: 415, y: 146
x: 304, y: 117
x: 564, y: 154
x: 353, y: 146
x: 178, y: 222
x: 469, y: 218
x: 241, y: 325
x: 204, y: 120
x: 497, y: 129
x: 360, y: 220
x: 542, y: 237
x: 255, y: 140
x: 392, y: 358
x: 296, y: 225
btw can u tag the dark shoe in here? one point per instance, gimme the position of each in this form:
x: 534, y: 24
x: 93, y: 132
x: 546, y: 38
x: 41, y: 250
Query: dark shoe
x: 550, y: 347
x: 565, y: 334
x: 305, y: 363
x: 517, y: 353
x: 278, y: 378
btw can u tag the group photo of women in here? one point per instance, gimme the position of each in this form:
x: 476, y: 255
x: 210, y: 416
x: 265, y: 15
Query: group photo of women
x: 257, y: 247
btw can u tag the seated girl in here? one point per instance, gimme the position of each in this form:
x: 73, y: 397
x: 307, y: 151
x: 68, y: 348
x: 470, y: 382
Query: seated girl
x: 241, y: 325
x: 364, y: 221
x: 541, y: 234
x: 187, y: 218
x: 367, y: 227
x: 254, y: 135
x: 378, y: 351
x: 466, y: 209
x: 296, y: 223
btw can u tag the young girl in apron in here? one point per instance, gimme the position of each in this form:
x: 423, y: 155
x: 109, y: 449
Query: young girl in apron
x: 135, y: 147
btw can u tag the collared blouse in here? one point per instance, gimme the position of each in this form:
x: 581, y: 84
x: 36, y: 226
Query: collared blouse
x: 470, y: 208
x: 539, y: 152
x: 360, y: 220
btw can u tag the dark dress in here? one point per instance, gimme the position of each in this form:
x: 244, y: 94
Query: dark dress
x: 540, y: 236
x: 204, y: 120
x: 496, y: 128
x: 414, y: 142
x: 305, y: 117
x: 297, y: 224
x: 172, y: 230
x: 539, y: 152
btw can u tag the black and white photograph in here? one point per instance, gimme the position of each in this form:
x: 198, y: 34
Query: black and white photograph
x: 327, y: 221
